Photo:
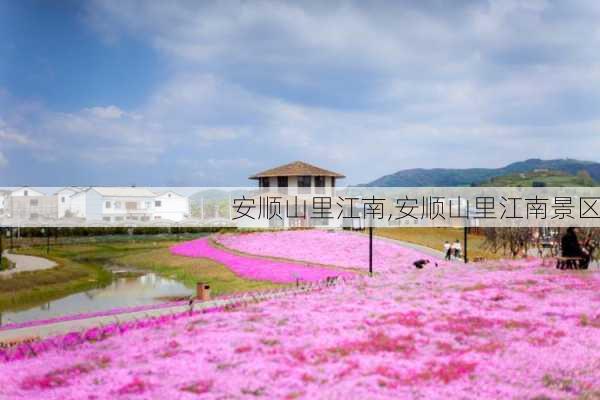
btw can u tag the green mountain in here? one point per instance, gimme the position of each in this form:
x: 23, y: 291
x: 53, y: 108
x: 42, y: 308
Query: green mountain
x: 478, y: 176
x: 541, y: 178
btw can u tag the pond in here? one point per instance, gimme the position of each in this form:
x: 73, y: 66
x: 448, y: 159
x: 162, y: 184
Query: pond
x: 127, y: 289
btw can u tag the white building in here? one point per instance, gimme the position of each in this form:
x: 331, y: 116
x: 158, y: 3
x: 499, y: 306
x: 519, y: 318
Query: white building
x: 127, y: 204
x: 298, y: 177
x: 26, y: 192
x: 3, y: 200
x: 296, y: 183
x: 29, y: 204
x: 170, y: 206
x: 64, y: 197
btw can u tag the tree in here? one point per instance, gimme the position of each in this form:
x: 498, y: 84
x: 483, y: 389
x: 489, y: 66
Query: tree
x: 584, y: 178
x: 514, y: 241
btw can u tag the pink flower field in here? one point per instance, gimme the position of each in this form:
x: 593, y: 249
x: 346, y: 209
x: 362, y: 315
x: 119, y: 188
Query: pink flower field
x: 255, y: 268
x: 338, y: 248
x: 508, y: 331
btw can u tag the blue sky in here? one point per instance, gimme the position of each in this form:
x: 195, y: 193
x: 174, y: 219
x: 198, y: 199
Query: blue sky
x: 189, y: 93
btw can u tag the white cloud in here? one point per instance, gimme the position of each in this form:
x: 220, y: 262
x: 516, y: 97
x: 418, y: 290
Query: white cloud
x: 110, y: 112
x: 10, y: 136
x: 13, y: 137
x: 363, y: 89
x: 220, y: 133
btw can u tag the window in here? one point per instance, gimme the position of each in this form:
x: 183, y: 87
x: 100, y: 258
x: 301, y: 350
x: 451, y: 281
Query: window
x: 107, y: 204
x: 117, y: 204
x: 157, y: 217
x: 263, y: 182
x: 304, y: 181
x: 25, y: 193
x: 282, y: 181
x: 148, y: 204
x: 62, y: 199
x: 320, y: 184
x: 304, y: 184
x: 282, y: 184
x: 107, y: 219
x: 33, y: 202
x: 118, y: 218
x: 157, y: 203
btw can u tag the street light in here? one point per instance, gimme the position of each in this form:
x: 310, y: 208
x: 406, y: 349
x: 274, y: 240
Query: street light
x: 466, y: 231
x: 370, y: 251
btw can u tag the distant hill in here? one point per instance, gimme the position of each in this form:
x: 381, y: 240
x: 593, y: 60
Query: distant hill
x: 541, y: 178
x: 477, y: 176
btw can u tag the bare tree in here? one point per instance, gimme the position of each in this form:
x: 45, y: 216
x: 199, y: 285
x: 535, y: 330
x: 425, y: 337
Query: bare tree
x: 515, y: 241
x: 512, y: 241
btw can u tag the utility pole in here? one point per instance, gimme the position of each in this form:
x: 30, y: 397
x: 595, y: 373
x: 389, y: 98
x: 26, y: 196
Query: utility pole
x: 370, y: 250
x: 465, y: 240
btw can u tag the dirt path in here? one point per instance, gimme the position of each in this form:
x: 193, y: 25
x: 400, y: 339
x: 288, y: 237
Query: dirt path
x: 26, y: 263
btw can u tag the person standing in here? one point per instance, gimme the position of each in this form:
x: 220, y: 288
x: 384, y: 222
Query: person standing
x: 571, y: 248
x: 447, y: 250
x: 457, y: 248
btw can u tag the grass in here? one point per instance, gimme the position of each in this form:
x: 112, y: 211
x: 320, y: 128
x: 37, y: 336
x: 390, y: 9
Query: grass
x: 26, y: 289
x: 192, y: 270
x: 81, y: 267
x: 434, y: 238
x: 5, y: 264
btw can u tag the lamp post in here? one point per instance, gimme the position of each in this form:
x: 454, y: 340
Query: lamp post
x: 466, y: 231
x: 370, y: 221
x: 370, y: 250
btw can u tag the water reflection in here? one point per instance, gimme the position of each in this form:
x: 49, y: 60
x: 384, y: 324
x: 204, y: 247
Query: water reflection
x: 123, y: 291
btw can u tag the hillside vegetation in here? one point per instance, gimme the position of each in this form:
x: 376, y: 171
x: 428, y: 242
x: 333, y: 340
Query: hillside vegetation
x: 541, y: 179
x: 476, y: 176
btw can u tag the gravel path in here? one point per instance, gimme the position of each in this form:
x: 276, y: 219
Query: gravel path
x: 26, y: 263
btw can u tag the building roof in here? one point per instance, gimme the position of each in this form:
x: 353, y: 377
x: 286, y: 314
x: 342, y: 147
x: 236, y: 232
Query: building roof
x: 29, y: 190
x: 165, y: 192
x: 296, y: 168
x: 74, y: 189
x: 124, y: 191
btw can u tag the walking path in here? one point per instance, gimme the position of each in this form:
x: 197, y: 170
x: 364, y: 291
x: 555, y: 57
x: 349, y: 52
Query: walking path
x: 26, y: 263
x: 423, y: 249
